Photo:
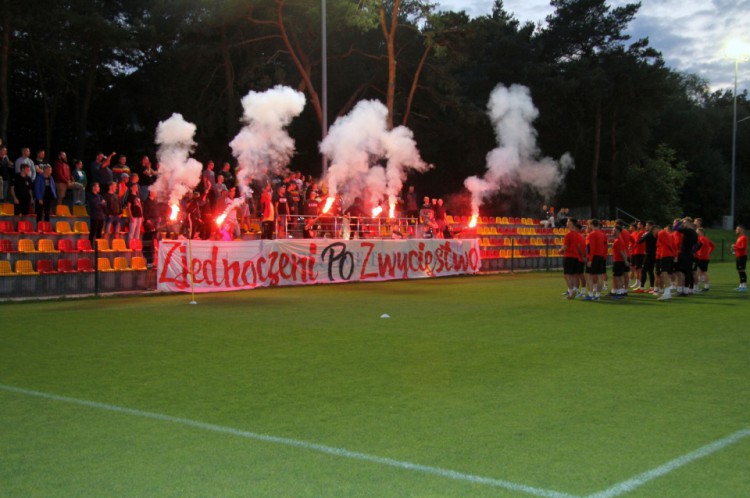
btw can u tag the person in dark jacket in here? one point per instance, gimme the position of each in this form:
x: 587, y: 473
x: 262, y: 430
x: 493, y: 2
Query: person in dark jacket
x: 96, y: 204
x: 113, y: 209
x: 45, y: 193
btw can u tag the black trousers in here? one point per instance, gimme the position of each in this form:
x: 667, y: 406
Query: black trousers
x: 648, y: 269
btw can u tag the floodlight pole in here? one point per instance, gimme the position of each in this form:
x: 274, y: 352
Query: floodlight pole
x: 734, y: 140
x: 324, y: 83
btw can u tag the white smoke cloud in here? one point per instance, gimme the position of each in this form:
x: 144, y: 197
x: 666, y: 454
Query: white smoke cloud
x: 178, y: 173
x: 359, y: 143
x: 263, y: 146
x: 516, y: 159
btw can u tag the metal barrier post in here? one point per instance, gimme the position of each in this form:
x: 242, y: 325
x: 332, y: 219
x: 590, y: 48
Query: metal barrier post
x: 96, y: 267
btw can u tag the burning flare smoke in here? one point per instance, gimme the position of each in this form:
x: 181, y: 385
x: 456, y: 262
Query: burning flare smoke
x: 178, y: 173
x: 366, y: 156
x: 516, y: 159
x: 263, y: 146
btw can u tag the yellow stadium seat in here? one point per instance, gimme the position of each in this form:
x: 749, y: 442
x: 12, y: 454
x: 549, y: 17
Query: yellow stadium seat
x: 47, y: 245
x: 5, y: 269
x: 121, y: 264
x: 119, y: 245
x: 63, y: 227
x: 80, y: 211
x: 103, y: 264
x: 63, y: 210
x: 138, y: 263
x: 6, y: 209
x: 103, y: 245
x: 26, y: 245
x: 25, y: 267
x: 81, y: 227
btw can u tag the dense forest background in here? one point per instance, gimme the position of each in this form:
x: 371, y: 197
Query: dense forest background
x: 98, y: 75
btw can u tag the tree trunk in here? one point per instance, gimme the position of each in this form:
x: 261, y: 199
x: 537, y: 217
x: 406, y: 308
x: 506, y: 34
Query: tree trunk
x: 4, y: 63
x: 88, y: 93
x: 231, y: 116
x: 415, y: 83
x: 613, y: 172
x: 305, y: 75
x: 595, y: 161
x: 390, y: 39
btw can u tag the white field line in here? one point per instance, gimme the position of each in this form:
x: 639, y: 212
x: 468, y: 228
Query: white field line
x: 641, y: 479
x: 339, y: 452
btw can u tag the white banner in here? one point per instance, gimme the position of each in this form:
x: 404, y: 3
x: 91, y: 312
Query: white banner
x: 225, y: 266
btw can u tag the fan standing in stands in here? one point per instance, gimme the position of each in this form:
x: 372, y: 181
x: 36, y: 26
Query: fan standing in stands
x: 97, y: 214
x: 45, y: 193
x: 21, y: 191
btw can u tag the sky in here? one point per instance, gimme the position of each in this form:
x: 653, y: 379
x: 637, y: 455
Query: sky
x: 690, y: 34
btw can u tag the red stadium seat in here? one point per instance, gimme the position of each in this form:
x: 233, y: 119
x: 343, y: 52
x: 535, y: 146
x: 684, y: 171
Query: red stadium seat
x: 66, y: 245
x: 136, y: 245
x: 85, y: 265
x: 6, y: 245
x: 6, y: 226
x: 84, y: 245
x: 45, y: 266
x: 45, y: 227
x: 25, y: 226
x: 65, y: 266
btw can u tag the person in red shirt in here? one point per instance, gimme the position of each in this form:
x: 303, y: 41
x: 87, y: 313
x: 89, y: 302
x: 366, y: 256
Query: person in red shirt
x: 574, y: 252
x: 627, y: 241
x: 596, y: 263
x: 665, y: 250
x: 702, y: 257
x: 619, y: 263
x: 637, y: 253
x: 740, y: 253
x: 62, y: 176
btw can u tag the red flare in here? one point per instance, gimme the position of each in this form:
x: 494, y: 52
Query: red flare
x: 376, y: 211
x: 473, y: 221
x: 392, y: 210
x: 175, y: 212
x: 221, y: 218
x: 328, y: 204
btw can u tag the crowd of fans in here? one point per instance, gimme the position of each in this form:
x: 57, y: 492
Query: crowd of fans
x: 218, y: 208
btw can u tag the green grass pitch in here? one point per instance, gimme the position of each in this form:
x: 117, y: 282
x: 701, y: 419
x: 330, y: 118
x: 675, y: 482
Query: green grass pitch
x: 475, y: 386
